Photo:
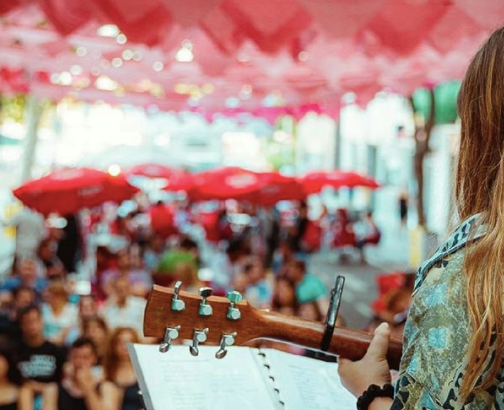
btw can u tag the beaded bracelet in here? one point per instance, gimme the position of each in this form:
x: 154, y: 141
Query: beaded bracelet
x: 372, y: 393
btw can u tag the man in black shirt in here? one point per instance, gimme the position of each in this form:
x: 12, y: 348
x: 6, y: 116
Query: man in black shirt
x: 82, y: 387
x: 39, y: 361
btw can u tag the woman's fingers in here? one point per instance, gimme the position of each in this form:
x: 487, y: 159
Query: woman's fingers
x: 378, y: 347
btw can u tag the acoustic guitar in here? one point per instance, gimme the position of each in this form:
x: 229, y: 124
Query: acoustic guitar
x: 174, y: 315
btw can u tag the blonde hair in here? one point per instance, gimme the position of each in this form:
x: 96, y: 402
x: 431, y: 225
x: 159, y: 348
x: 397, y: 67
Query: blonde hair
x: 480, y: 189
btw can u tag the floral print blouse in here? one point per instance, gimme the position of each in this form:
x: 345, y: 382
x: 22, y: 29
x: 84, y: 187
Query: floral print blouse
x: 436, y: 334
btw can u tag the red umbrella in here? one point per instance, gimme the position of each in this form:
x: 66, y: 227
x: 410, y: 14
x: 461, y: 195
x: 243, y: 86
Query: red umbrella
x: 150, y: 170
x: 313, y: 182
x: 180, y: 182
x: 274, y: 187
x: 68, y: 190
x: 224, y: 183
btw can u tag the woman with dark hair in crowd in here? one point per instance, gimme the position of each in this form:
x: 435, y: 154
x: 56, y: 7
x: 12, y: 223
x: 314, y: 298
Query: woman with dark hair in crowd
x: 10, y: 381
x: 96, y: 329
x: 284, y: 296
x: 119, y: 369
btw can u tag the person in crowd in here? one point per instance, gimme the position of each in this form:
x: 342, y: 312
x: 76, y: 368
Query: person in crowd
x: 239, y: 282
x: 30, y: 230
x: 87, y: 309
x: 83, y: 387
x: 10, y: 381
x: 310, y: 311
x: 163, y: 220
x: 9, y: 329
x: 187, y: 273
x: 48, y: 262
x: 285, y: 253
x: 224, y: 226
x: 403, y: 207
x: 272, y: 232
x: 39, y: 361
x: 119, y: 370
x: 70, y: 244
x: 258, y: 291
x: 140, y: 280
x: 370, y: 234
x: 58, y: 314
x: 188, y: 245
x: 344, y: 234
x: 123, y: 308
x: 309, y: 288
x: 26, y: 275
x: 186, y: 253
x: 284, y: 296
x: 301, y: 226
x: 153, y: 253
x: 96, y: 329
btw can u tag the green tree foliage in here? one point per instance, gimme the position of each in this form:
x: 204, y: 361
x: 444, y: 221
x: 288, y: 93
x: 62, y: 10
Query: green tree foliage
x: 445, y: 95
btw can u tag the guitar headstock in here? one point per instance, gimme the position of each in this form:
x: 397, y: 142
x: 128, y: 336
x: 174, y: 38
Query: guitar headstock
x: 173, y: 314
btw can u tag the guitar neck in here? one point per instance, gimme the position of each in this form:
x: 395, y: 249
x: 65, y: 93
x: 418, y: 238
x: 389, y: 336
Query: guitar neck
x: 347, y: 343
x: 251, y: 324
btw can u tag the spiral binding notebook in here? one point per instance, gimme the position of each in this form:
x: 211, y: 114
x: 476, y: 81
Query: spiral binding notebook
x: 246, y: 379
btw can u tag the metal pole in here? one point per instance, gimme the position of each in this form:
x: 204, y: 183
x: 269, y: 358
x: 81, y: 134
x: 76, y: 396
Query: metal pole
x: 33, y: 113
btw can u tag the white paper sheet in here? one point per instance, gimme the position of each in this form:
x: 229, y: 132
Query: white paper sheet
x: 308, y: 384
x: 178, y: 381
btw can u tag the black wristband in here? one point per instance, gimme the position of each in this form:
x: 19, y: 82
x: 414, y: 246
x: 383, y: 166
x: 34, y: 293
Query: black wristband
x: 372, y: 392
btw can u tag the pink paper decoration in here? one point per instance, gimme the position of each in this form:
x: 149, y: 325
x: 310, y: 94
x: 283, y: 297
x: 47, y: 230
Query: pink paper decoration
x: 222, y: 30
x: 452, y: 27
x: 489, y: 14
x: 402, y: 24
x: 264, y: 24
x: 343, y: 18
x: 66, y: 15
x: 189, y: 12
x: 141, y: 21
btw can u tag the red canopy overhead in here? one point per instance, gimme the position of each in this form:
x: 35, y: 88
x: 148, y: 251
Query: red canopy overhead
x: 303, y: 51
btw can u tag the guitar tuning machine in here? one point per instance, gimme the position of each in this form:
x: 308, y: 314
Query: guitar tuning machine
x: 200, y: 336
x: 233, y: 312
x: 171, y: 333
x: 177, y: 304
x: 204, y: 308
x: 226, y: 340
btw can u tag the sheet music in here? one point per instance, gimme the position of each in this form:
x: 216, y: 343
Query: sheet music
x: 177, y: 380
x: 308, y: 384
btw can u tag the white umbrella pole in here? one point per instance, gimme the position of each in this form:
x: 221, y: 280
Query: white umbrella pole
x: 33, y: 113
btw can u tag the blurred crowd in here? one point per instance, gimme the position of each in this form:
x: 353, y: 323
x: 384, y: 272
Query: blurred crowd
x: 64, y: 346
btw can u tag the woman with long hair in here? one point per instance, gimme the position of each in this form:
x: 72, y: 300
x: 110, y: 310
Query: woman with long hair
x: 96, y: 329
x: 118, y: 368
x: 454, y: 335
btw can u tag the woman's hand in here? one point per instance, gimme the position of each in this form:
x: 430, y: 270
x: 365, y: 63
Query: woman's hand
x: 373, y: 368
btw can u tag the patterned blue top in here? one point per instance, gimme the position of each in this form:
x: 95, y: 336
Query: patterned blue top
x: 436, y: 333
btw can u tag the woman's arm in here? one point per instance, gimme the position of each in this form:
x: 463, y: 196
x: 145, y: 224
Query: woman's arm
x: 111, y: 396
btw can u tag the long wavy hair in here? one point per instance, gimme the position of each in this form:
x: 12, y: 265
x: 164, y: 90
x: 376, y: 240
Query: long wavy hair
x: 111, y: 359
x: 480, y: 189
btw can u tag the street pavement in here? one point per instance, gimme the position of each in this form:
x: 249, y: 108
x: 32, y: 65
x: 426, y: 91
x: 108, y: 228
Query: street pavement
x: 391, y: 255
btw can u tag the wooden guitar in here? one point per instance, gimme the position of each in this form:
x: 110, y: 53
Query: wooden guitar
x: 173, y: 314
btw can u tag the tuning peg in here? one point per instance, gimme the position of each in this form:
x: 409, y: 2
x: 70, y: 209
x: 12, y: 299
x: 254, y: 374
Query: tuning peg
x: 204, y: 308
x: 233, y: 312
x: 176, y: 303
x: 200, y: 336
x: 171, y: 333
x: 226, y: 340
